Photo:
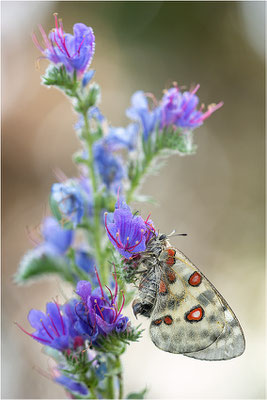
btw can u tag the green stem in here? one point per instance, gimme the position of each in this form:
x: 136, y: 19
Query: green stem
x: 93, y: 393
x: 120, y: 378
x: 96, y: 211
x: 140, y: 174
x: 110, y: 388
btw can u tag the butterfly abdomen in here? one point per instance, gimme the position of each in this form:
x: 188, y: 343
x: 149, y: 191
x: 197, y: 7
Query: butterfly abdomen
x: 144, y: 304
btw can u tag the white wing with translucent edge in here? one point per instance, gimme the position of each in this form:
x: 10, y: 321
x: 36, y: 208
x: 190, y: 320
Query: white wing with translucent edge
x: 192, y: 318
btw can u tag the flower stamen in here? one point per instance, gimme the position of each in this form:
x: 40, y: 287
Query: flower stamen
x: 33, y: 336
x: 51, y: 319
x: 123, y: 301
x: 46, y: 329
x: 60, y: 316
x: 100, y: 284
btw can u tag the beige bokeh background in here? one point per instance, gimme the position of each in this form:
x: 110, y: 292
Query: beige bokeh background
x: 216, y: 196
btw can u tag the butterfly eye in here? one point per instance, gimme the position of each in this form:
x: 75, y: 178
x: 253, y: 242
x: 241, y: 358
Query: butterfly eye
x: 162, y: 237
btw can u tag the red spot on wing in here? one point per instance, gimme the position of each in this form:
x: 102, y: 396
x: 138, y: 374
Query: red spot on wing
x: 157, y: 321
x: 196, y: 314
x: 195, y: 279
x: 171, y: 252
x: 170, y: 261
x: 162, y: 287
x: 168, y: 320
x: 171, y: 275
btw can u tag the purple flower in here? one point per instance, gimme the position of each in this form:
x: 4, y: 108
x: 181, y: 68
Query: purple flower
x: 121, y: 324
x: 128, y: 233
x: 51, y: 329
x: 180, y: 109
x: 139, y: 111
x: 108, y: 166
x: 119, y: 138
x: 70, y: 384
x: 57, y: 240
x: 70, y: 310
x: 69, y: 199
x: 99, y: 313
x: 75, y: 52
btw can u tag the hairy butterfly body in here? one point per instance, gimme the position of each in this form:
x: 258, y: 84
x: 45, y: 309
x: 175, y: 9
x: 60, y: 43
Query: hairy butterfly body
x: 188, y: 315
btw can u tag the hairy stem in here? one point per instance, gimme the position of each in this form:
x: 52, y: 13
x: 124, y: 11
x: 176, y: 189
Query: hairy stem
x: 110, y: 388
x: 120, y: 377
x: 96, y: 211
x: 135, y: 183
x: 93, y: 393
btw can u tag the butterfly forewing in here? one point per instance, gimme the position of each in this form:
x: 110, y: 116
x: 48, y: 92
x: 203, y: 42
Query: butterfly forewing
x: 190, y: 317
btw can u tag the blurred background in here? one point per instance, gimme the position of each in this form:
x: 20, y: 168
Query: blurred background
x: 216, y: 196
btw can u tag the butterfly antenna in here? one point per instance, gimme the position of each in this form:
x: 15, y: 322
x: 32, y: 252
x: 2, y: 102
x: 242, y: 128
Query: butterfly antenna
x: 173, y: 233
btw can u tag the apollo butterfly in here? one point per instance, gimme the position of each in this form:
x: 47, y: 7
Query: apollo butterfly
x: 188, y: 315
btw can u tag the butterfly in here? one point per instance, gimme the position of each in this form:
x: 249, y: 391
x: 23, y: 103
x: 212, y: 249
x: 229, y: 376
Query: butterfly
x: 188, y: 315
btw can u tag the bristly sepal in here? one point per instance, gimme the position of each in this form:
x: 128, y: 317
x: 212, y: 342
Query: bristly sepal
x: 116, y: 343
x: 57, y: 76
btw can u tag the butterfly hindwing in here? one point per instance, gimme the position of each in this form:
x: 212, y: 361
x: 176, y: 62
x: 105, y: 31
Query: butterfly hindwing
x: 190, y: 317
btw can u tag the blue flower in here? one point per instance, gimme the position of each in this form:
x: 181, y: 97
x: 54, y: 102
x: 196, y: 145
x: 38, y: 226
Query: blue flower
x: 100, y: 369
x: 108, y: 166
x: 51, y: 329
x: 75, y: 52
x: 139, y: 111
x: 119, y: 138
x: 69, y: 200
x: 86, y: 262
x: 128, y: 233
x: 57, y: 240
x: 84, y: 184
x: 99, y: 363
x: 87, y: 77
x: 71, y: 384
x: 55, y: 243
x: 180, y: 109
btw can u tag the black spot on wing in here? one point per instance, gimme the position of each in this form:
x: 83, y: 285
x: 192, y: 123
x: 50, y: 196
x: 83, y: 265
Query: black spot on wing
x: 204, y: 333
x: 205, y: 298
x: 212, y: 318
x: 165, y: 336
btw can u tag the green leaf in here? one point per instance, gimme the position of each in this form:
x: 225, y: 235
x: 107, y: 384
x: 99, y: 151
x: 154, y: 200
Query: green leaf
x: 137, y: 395
x: 78, y: 158
x: 33, y: 266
